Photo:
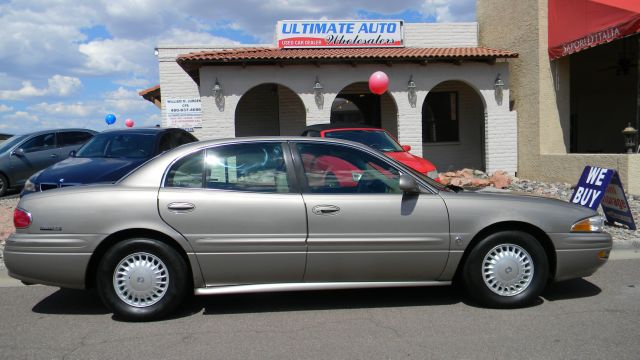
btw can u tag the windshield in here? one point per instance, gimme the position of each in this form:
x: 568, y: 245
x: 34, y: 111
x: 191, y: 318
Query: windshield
x: 377, y: 139
x: 10, y: 142
x: 118, y: 145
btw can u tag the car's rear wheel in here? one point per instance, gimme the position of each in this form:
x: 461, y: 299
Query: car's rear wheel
x: 506, y: 269
x: 4, y: 184
x: 142, y: 279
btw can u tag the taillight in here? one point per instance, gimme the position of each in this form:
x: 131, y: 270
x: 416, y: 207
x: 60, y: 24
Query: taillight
x: 21, y: 219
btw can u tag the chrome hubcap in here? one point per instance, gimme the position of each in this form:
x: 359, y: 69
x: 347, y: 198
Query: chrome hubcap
x: 507, y: 269
x: 141, y: 279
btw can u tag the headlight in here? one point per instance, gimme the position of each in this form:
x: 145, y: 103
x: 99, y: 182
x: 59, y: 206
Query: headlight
x: 592, y: 224
x: 30, y: 184
x: 433, y: 174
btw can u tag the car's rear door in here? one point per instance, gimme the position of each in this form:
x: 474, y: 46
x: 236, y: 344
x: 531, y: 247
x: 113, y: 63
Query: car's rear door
x: 361, y: 225
x: 71, y: 140
x: 242, y: 214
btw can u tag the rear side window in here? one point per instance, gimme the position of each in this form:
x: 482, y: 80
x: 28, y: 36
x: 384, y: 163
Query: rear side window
x: 40, y: 142
x: 246, y: 167
x: 186, y: 172
x: 71, y: 138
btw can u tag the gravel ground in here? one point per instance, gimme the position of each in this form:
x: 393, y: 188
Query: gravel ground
x: 621, y: 234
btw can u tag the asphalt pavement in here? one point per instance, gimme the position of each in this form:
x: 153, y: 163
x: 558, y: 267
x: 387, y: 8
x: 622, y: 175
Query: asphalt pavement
x: 592, y: 318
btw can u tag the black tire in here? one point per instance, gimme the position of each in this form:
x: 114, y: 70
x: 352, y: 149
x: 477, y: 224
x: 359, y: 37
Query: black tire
x: 4, y: 184
x: 500, y: 286
x: 169, y: 276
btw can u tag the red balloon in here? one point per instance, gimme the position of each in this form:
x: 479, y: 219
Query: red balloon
x: 378, y: 82
x: 128, y: 122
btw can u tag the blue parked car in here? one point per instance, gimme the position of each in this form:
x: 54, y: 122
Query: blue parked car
x: 107, y: 157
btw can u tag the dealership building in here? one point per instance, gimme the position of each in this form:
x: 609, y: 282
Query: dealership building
x: 499, y: 94
x: 447, y: 97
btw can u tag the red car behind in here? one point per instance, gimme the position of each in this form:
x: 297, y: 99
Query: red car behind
x: 379, y: 139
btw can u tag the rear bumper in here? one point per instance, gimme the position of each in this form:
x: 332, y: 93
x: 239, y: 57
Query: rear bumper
x: 55, y: 269
x: 56, y: 260
x: 580, y: 254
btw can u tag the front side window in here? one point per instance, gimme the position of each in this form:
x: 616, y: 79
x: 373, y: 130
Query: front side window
x: 246, y: 167
x: 341, y: 169
x: 40, y: 142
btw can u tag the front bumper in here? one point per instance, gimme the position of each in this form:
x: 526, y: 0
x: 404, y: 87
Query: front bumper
x: 580, y: 254
x: 55, y: 260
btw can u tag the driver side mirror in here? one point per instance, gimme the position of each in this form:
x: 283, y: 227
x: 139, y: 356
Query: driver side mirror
x: 406, y: 147
x: 72, y: 153
x: 18, y: 152
x: 409, y: 184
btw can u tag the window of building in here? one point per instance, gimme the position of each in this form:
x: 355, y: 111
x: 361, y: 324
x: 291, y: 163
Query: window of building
x: 440, y: 121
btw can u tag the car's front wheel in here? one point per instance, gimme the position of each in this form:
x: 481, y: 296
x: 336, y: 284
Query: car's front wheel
x: 506, y: 269
x: 142, y: 279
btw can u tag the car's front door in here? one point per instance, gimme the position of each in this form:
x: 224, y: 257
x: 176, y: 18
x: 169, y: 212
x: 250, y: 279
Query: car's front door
x: 239, y: 208
x: 361, y: 225
x: 35, y: 154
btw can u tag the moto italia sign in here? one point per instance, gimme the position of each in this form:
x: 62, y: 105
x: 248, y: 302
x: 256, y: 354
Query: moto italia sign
x: 600, y: 186
x: 339, y: 33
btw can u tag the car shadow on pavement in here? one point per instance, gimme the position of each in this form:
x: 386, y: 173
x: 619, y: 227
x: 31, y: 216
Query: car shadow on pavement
x: 327, y: 300
x: 71, y: 302
x: 570, y: 289
x: 87, y: 302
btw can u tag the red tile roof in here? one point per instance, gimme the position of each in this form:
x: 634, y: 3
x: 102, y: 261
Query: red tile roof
x: 269, y: 55
x: 149, y: 90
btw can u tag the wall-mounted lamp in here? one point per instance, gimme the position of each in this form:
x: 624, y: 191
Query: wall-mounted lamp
x: 317, y: 94
x: 498, y: 86
x: 218, y: 95
x: 411, y: 92
x: 630, y: 142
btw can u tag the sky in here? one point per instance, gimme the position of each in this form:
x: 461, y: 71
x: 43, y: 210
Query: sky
x: 69, y: 63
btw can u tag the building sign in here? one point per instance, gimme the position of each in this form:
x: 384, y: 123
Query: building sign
x: 183, y: 113
x: 603, y: 186
x: 340, y: 33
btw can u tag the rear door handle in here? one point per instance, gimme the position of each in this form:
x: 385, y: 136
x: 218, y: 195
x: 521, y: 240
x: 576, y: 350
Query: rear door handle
x: 325, y: 209
x: 181, y: 206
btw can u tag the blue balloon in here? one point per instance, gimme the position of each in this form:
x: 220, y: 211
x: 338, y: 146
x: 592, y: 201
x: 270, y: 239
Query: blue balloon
x: 110, y: 119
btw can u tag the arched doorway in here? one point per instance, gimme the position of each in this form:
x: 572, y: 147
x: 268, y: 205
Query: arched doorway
x: 269, y: 109
x: 453, y: 127
x: 356, y: 104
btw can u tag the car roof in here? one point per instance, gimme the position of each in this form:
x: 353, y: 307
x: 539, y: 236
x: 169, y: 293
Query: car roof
x: 335, y: 126
x: 149, y: 130
x: 40, y: 132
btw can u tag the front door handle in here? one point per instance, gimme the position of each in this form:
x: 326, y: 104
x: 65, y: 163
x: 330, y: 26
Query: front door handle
x: 53, y: 156
x: 325, y: 209
x: 181, y: 206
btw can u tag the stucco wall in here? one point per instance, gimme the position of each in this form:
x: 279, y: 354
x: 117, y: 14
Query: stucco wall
x: 441, y: 34
x: 540, y: 94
